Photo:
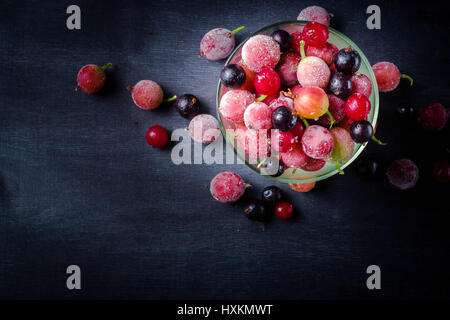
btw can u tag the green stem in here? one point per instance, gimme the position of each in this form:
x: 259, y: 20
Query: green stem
x: 261, y: 163
x: 261, y: 98
x: 302, y: 49
x: 171, y: 98
x: 293, y: 171
x: 106, y: 66
x: 237, y: 30
x: 405, y: 76
x: 338, y: 167
x: 378, y: 141
x: 305, y: 122
x: 331, y: 119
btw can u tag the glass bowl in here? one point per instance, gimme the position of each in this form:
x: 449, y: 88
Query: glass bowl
x: 298, y: 175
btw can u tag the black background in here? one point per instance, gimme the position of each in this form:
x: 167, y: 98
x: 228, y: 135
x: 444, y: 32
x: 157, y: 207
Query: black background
x: 79, y: 185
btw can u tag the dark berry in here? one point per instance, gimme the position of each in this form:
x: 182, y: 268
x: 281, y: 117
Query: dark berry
x: 271, y: 195
x: 233, y: 76
x: 347, y: 61
x: 361, y: 131
x: 441, y: 171
x: 156, y: 136
x: 256, y: 210
x: 273, y: 167
x: 368, y: 168
x: 340, y: 84
x: 433, y: 117
x: 188, y: 106
x: 283, y: 38
x: 283, y: 119
x: 283, y: 210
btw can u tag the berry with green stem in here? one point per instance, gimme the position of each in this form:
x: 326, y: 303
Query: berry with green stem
x: 91, y: 78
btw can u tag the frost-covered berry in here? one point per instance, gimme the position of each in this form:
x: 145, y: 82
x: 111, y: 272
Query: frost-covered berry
x: 227, y: 187
x: 361, y: 84
x: 325, y: 52
x: 343, y: 145
x: 403, y: 174
x: 261, y: 52
x: 337, y: 110
x: 218, y: 43
x: 147, y: 94
x: 91, y: 77
x: 313, y: 72
x: 315, y: 13
x: 287, y: 69
x: 295, y: 158
x: 233, y: 103
x: 255, y: 143
x: 317, y: 142
x: 388, y: 76
x: 204, y: 128
x: 258, y: 116
x: 433, y: 117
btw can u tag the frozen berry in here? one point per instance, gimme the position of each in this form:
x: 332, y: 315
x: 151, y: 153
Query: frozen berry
x: 188, y: 106
x: 156, y: 136
x: 325, y: 52
x: 433, y: 117
x: 295, y: 158
x: 347, y: 60
x: 403, y: 174
x: 265, y: 98
x: 297, y: 37
x: 282, y: 101
x: 271, y: 195
x: 343, y: 145
x: 314, y: 164
x: 255, y: 143
x: 283, y: 141
x: 388, y: 76
x: 302, y: 187
x: 261, y: 52
x: 283, y: 38
x: 311, y: 102
x: 218, y: 43
x: 267, y: 82
x: 316, y: 14
x: 256, y: 210
x: 91, y: 77
x: 340, y: 84
x: 337, y: 110
x: 283, y: 119
x: 272, y: 167
x: 147, y: 94
x: 357, y: 106
x: 204, y: 128
x: 317, y: 142
x: 313, y: 72
x: 233, y: 76
x: 283, y: 210
x: 287, y: 69
x: 227, y: 187
x: 296, y: 88
x: 441, y: 171
x: 233, y: 103
x: 361, y: 84
x: 258, y: 116
x: 315, y: 34
x: 298, y: 130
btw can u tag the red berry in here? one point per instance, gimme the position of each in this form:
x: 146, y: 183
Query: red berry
x: 267, y: 82
x: 315, y: 34
x: 295, y: 42
x: 283, y: 210
x: 298, y: 130
x: 314, y: 164
x: 433, y: 117
x: 283, y: 141
x: 357, y: 107
x: 325, y: 52
x: 227, y: 187
x: 156, y: 136
x: 302, y: 187
x: 441, y: 171
x: 91, y: 78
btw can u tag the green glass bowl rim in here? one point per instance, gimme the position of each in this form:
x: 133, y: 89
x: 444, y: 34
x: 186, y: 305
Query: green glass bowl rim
x: 375, y: 106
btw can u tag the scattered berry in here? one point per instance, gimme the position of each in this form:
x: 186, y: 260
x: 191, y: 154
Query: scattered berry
x: 347, y: 61
x: 256, y: 210
x: 433, y: 117
x: 357, y: 106
x: 258, y: 116
x: 91, y: 77
x: 295, y: 158
x: 302, y: 187
x: 368, y: 168
x: 156, y: 136
x: 267, y: 82
x: 325, y: 52
x: 218, y: 43
x: 283, y: 141
x: 287, y: 68
x: 317, y: 142
x: 227, y: 187
x: 283, y: 210
x: 388, y: 76
x: 340, y: 84
x: 315, y: 34
x: 403, y: 174
x: 343, y: 145
x: 233, y: 76
x: 311, y: 102
x: 233, y: 103
x: 283, y: 119
x: 271, y: 195
x: 441, y: 171
x: 283, y: 38
x: 147, y: 94
x: 361, y: 84
x: 316, y: 14
x: 188, y: 106
x: 261, y: 52
x: 204, y: 128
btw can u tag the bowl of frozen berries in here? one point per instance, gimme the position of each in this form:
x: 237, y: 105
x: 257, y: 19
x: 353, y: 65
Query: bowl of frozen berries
x: 298, y: 101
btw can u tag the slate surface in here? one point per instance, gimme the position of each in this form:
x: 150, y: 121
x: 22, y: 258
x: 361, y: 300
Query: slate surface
x: 79, y: 185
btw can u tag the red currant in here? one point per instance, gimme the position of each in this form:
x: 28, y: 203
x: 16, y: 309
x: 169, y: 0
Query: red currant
x: 357, y: 106
x: 283, y: 210
x: 295, y: 42
x: 315, y: 34
x: 156, y: 136
x: 283, y: 141
x: 267, y: 82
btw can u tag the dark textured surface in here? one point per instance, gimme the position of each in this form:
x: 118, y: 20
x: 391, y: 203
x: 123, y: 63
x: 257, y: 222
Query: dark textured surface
x: 79, y: 185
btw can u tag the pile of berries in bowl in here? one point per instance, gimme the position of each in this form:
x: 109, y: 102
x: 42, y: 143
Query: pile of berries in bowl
x: 298, y: 101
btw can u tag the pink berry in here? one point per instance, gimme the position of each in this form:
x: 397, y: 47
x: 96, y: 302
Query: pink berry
x: 403, y: 174
x: 204, y: 128
x: 233, y: 103
x: 343, y: 145
x: 261, y: 52
x: 361, y: 84
x: 315, y: 13
x: 441, y: 171
x: 314, y: 164
x: 433, y: 117
x: 147, y: 94
x: 388, y: 76
x: 91, y: 78
x: 298, y: 130
x: 156, y: 136
x: 258, y: 116
x: 296, y: 89
x: 227, y: 187
x: 287, y: 68
x: 282, y: 101
x: 283, y: 210
x: 217, y: 44
x: 295, y: 158
x: 283, y: 141
x: 317, y: 142
x: 325, y: 52
x: 357, y: 106
x: 313, y: 72
x: 254, y: 143
x: 346, y: 123
x: 267, y: 82
x: 337, y: 110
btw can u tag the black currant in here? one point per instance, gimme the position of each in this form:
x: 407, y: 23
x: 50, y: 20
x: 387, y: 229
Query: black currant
x: 340, y: 84
x: 283, y: 119
x: 368, y: 168
x: 347, y: 60
x: 283, y: 38
x: 273, y: 167
x: 256, y: 210
x: 188, y: 106
x: 271, y: 195
x: 361, y: 131
x: 232, y: 76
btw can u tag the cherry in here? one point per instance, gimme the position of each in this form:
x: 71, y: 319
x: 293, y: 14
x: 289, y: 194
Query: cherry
x: 315, y: 34
x: 357, y: 106
x: 283, y: 210
x: 267, y: 82
x: 156, y: 136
